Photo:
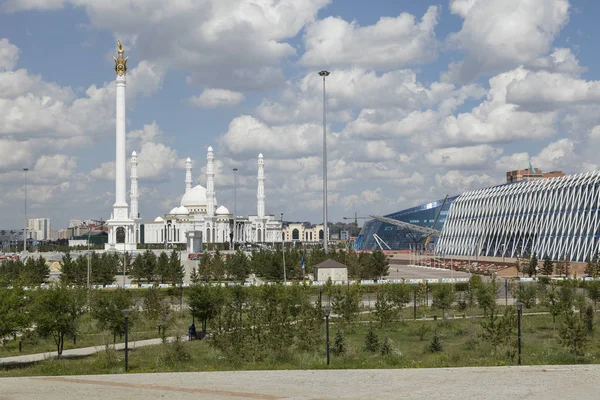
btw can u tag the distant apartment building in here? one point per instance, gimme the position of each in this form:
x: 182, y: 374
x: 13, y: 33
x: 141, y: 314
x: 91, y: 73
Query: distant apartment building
x: 39, y: 228
x: 531, y: 173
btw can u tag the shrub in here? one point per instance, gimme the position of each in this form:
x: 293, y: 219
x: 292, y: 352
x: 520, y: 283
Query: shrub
x: 436, y: 344
x: 339, y: 343
x: 422, y: 330
x: 371, y: 341
x: 175, y: 353
x: 386, y: 346
x: 573, y: 334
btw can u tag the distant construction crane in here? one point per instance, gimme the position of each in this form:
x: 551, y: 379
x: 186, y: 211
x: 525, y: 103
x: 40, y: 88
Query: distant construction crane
x: 356, y: 218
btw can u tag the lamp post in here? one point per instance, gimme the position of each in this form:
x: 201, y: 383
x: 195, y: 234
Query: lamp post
x: 126, y: 311
x: 324, y: 74
x: 25, y: 231
x: 283, y: 252
x: 519, y: 312
x: 327, y: 311
x: 234, y: 206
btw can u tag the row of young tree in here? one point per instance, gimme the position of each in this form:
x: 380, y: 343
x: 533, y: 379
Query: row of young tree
x: 561, y: 268
x: 144, y: 268
x: 270, y: 264
x: 57, y: 311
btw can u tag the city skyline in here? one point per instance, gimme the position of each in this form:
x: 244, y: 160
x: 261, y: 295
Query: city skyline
x: 421, y: 103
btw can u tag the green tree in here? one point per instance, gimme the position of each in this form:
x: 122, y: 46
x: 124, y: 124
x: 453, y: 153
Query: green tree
x: 384, y: 307
x: 339, y: 343
x: 36, y: 271
x: 548, y: 266
x: 12, y: 309
x: 443, y: 298
x: 238, y: 266
x: 436, y: 343
x: 532, y: 265
x: 380, y: 265
x: 205, y: 302
x: 526, y: 294
x: 194, y: 276
x: 162, y: 267
x: 573, y: 333
x: 499, y: 330
x: 218, y: 266
x: 593, y: 266
x: 593, y: 291
x: 371, y: 341
x: 367, y: 267
x: 588, y: 319
x: 106, y: 309
x: 386, y: 346
x: 486, y: 294
x: 56, y: 310
x: 205, y: 267
x: 346, y: 302
x: 400, y: 296
x: 176, y: 271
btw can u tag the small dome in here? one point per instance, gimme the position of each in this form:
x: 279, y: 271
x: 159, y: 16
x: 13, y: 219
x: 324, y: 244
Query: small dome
x: 210, y: 148
x: 222, y: 210
x: 159, y: 219
x: 195, y: 197
x: 173, y: 210
x: 134, y: 154
x: 181, y: 210
x: 189, y: 160
x: 260, y: 155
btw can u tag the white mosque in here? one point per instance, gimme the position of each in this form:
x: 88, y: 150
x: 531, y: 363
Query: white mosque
x: 199, y: 211
x: 197, y: 219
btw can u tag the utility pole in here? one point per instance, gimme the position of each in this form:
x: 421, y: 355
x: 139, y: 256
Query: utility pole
x: 26, y: 222
x: 325, y: 238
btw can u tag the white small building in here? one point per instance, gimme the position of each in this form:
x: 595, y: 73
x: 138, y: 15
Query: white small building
x: 338, y: 272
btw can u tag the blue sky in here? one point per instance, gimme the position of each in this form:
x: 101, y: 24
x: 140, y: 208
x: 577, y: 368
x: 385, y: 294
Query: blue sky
x: 425, y: 99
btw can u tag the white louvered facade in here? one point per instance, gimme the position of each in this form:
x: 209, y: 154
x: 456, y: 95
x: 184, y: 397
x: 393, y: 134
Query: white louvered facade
x: 556, y: 217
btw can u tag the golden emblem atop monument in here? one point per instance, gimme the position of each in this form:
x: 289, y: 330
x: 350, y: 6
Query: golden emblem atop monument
x: 120, y: 63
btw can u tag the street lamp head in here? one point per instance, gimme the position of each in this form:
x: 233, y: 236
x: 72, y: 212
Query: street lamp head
x: 25, y: 169
x: 327, y: 311
x: 235, y: 170
x: 519, y: 306
x: 324, y: 73
x: 126, y: 311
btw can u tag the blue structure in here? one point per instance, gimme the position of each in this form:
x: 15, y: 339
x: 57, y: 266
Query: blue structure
x: 400, y: 238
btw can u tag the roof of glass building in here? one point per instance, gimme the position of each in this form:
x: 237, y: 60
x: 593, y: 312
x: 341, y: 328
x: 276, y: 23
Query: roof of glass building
x: 403, y: 238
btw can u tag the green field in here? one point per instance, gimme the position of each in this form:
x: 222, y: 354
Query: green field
x: 461, y: 341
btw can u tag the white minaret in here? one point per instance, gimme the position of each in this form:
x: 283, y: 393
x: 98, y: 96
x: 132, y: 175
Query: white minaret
x: 134, y: 187
x: 121, y: 234
x: 260, y: 193
x: 210, y: 183
x: 188, y: 174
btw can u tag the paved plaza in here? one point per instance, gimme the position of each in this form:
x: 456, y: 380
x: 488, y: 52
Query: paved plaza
x: 497, y: 383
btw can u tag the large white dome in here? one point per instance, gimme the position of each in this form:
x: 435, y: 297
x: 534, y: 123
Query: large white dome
x: 195, y: 197
x: 222, y: 210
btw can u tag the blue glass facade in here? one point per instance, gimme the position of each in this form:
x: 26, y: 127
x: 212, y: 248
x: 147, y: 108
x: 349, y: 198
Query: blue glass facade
x: 400, y: 238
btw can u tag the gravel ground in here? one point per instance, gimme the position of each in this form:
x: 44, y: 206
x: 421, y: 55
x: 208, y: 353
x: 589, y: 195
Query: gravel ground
x: 530, y: 382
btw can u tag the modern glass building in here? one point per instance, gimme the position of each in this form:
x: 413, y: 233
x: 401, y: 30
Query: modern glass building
x: 404, y: 238
x: 558, y: 217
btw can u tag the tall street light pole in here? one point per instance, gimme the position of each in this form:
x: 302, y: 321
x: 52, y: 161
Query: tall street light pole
x: 283, y: 251
x: 234, y: 206
x: 324, y: 74
x: 25, y: 231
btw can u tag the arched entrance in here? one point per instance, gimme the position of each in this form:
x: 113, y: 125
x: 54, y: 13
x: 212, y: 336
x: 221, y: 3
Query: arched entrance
x: 320, y: 234
x: 120, y: 235
x: 295, y: 234
x: 259, y: 235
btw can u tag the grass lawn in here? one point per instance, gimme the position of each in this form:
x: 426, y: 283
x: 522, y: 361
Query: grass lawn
x: 88, y: 334
x: 460, y: 339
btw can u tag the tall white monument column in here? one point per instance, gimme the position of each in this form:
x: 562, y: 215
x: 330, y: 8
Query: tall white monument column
x: 260, y: 193
x: 134, y: 187
x: 188, y: 175
x: 121, y: 226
